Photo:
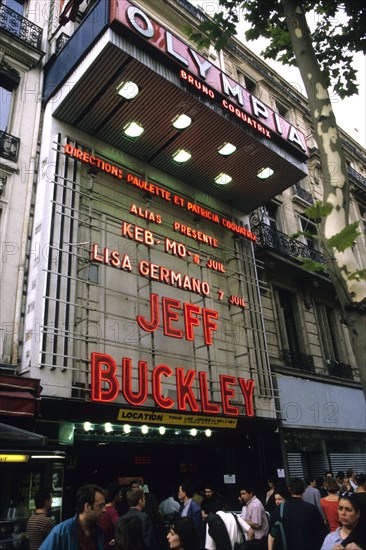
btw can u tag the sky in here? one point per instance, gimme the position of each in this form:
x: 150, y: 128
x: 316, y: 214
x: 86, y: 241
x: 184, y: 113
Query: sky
x: 350, y: 113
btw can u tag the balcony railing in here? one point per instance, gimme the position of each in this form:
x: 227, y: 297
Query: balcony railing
x: 20, y: 27
x: 61, y: 41
x: 341, y: 370
x: 358, y: 178
x: 299, y: 361
x: 280, y: 242
x: 9, y: 146
x: 303, y: 194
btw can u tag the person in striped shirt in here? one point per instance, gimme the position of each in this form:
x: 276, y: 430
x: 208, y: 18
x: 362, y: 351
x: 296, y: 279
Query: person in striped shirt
x: 39, y: 524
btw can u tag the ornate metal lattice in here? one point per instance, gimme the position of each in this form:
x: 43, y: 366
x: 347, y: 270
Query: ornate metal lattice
x: 299, y: 361
x: 20, y: 27
x: 272, y: 238
x: 9, y: 146
x: 341, y: 370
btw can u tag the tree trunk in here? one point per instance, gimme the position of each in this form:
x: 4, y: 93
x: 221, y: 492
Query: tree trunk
x: 335, y: 180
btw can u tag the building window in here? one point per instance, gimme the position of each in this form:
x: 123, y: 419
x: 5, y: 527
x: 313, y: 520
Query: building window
x: 13, y: 22
x: 6, y: 98
x: 247, y: 83
x: 332, y: 342
x: 281, y: 108
x: 310, y: 233
x: 271, y: 215
x: 290, y: 328
x: 15, y: 5
x: 9, y: 80
x: 362, y: 219
x: 328, y: 335
x: 288, y: 321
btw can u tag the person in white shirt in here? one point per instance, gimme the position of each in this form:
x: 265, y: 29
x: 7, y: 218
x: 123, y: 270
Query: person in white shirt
x: 232, y: 528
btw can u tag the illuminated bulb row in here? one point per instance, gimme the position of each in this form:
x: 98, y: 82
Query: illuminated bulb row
x: 129, y: 90
x: 144, y: 429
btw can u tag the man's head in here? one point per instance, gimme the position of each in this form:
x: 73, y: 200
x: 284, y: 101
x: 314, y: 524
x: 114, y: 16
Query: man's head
x: 361, y: 481
x: 135, y: 484
x: 113, y: 492
x: 331, y: 485
x: 209, y: 491
x: 43, y: 499
x: 296, y: 487
x: 90, y: 503
x: 185, y: 491
x: 136, y: 499
x: 350, y: 473
x: 311, y: 481
x: 246, y: 492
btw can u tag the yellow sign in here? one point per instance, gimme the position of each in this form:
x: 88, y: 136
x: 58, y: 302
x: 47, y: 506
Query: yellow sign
x: 14, y: 458
x: 189, y: 420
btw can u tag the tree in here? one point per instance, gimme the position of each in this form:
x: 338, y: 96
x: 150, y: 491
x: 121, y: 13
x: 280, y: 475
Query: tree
x: 324, y: 58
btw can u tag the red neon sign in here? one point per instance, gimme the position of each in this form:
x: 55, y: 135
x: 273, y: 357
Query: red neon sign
x: 104, y: 373
x: 191, y: 313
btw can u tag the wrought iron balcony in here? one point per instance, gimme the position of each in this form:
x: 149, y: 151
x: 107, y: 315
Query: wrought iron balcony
x: 22, y: 28
x: 357, y: 179
x: 267, y: 237
x: 298, y: 361
x: 341, y: 370
x: 61, y: 41
x: 302, y: 194
x: 9, y: 146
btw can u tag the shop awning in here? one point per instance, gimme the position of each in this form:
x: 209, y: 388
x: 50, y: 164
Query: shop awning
x: 11, y: 436
x: 19, y: 396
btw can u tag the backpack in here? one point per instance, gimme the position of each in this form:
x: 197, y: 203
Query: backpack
x: 217, y: 530
x: 278, y: 525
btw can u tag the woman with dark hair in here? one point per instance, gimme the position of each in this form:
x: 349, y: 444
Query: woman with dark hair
x: 129, y: 534
x: 157, y: 522
x: 270, y: 498
x: 349, y: 515
x: 281, y: 493
x: 182, y: 534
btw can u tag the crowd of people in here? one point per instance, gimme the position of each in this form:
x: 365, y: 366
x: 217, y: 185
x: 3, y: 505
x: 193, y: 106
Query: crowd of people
x: 323, y: 514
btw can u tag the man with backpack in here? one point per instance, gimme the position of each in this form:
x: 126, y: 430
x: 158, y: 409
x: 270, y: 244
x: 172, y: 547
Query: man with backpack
x: 297, y: 525
x: 226, y: 530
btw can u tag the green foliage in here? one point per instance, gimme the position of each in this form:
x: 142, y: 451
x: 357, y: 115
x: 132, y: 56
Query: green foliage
x: 341, y: 240
x: 319, y: 210
x: 312, y: 265
x: 345, y: 238
x: 359, y: 275
x: 339, y: 31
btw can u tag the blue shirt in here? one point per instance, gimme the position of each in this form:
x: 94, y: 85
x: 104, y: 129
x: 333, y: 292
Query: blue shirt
x: 64, y: 536
x: 332, y: 539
